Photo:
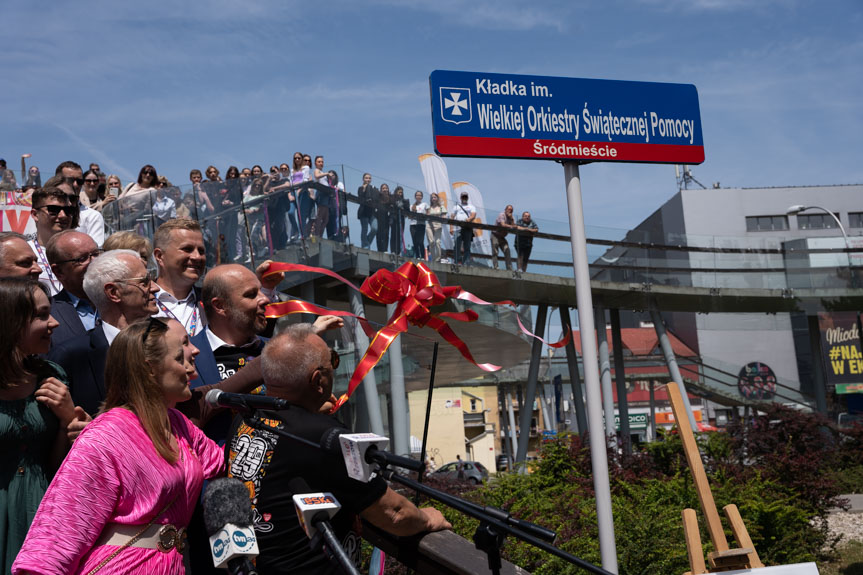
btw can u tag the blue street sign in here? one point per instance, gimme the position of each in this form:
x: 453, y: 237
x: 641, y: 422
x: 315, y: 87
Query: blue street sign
x: 540, y: 117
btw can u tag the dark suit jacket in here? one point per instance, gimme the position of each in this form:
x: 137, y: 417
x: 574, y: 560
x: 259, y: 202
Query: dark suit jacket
x: 368, y: 201
x: 83, y: 359
x: 205, y: 362
x: 70, y: 323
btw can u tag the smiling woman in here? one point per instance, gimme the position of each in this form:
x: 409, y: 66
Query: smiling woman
x: 35, y: 408
x: 135, y: 472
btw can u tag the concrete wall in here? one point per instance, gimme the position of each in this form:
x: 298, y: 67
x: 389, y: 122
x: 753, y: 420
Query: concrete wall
x: 446, y: 425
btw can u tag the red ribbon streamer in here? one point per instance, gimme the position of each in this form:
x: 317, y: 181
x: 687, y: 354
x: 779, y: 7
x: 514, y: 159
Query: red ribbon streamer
x: 416, y: 289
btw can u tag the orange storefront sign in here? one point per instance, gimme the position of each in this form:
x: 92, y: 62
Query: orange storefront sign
x: 667, y: 417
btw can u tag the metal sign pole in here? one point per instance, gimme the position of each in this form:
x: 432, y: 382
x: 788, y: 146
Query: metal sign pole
x: 598, y: 455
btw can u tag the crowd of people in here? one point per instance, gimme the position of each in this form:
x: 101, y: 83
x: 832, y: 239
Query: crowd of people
x: 382, y: 219
x: 249, y: 213
x: 106, y: 435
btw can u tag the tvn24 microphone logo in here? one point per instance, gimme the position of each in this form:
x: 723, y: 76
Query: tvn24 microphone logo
x: 242, y: 540
x: 455, y: 105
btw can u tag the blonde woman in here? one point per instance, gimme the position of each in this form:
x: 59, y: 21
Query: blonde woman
x: 125, y: 493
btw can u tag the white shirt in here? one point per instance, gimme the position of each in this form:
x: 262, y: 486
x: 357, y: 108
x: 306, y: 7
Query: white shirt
x: 47, y: 276
x: 462, y: 212
x: 110, y: 332
x: 188, y: 311
x: 216, y: 342
x: 92, y: 223
x: 419, y: 208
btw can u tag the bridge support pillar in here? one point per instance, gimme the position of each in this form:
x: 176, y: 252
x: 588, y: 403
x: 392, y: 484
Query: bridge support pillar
x: 671, y: 361
x: 400, y: 423
x: 530, y: 393
x: 513, y: 446
x: 605, y: 375
x: 620, y: 381
x: 653, y: 410
x: 574, y: 376
x: 369, y: 388
x: 819, y: 385
x: 307, y: 292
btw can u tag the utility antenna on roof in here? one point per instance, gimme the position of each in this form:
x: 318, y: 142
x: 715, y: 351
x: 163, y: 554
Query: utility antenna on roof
x: 685, y: 177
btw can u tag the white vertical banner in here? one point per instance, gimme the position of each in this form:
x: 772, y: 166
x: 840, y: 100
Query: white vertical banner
x: 481, y: 238
x: 437, y: 181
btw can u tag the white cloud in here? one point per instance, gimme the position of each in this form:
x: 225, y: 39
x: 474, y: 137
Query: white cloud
x: 491, y: 14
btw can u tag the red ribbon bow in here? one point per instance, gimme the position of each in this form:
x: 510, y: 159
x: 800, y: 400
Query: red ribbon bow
x: 416, y: 290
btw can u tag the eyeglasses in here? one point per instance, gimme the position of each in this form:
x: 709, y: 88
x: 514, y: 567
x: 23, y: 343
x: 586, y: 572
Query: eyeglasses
x: 73, y: 181
x: 144, y: 281
x: 55, y: 210
x: 83, y: 259
x: 148, y: 173
x: 91, y: 181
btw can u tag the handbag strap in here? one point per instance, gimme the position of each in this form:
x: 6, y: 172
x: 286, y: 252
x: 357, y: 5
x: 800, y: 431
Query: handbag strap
x: 134, y: 537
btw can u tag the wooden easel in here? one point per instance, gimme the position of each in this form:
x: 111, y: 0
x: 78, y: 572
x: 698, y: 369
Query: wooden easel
x: 722, y: 558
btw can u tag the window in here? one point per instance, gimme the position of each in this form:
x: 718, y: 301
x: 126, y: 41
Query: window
x: 766, y: 223
x: 473, y: 404
x: 816, y: 221
x: 855, y: 219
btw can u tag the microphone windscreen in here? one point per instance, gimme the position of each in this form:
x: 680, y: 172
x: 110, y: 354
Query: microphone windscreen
x: 330, y: 440
x: 226, y: 500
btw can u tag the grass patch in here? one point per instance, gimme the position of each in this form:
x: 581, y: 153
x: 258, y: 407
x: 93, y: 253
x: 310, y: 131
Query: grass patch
x: 850, y: 561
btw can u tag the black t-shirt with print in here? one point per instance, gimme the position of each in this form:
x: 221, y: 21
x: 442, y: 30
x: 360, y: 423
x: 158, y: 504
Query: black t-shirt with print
x: 266, y: 463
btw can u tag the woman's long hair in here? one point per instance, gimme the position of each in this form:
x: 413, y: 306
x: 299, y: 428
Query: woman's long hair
x: 141, y: 175
x: 17, y: 306
x: 130, y: 383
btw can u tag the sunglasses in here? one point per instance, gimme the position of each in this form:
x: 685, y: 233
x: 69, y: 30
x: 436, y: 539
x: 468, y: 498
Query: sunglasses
x: 83, y: 259
x: 152, y: 325
x: 335, y: 360
x: 89, y: 181
x: 73, y: 181
x: 55, y: 210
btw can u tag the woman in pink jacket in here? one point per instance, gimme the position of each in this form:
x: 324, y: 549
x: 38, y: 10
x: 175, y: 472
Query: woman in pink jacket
x: 124, y: 495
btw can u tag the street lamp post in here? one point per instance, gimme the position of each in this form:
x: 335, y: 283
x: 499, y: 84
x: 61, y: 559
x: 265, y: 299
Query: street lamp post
x: 796, y: 209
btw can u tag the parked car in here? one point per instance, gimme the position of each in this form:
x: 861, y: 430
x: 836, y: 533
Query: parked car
x: 474, y: 472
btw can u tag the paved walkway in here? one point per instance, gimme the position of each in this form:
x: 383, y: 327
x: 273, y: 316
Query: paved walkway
x: 856, y: 502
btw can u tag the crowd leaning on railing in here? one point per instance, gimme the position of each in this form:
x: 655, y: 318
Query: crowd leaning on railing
x: 250, y: 214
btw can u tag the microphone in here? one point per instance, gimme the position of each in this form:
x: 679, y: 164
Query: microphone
x: 244, y: 403
x: 314, y: 511
x: 312, y: 508
x: 228, y: 519
x: 363, y: 455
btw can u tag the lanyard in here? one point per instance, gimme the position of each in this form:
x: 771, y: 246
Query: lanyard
x: 46, y: 266
x: 190, y: 328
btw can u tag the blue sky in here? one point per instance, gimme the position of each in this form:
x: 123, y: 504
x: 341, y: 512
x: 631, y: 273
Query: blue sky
x: 186, y: 84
